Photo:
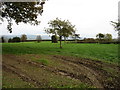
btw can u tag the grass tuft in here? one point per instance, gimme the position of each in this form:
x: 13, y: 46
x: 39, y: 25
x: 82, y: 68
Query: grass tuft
x: 43, y: 61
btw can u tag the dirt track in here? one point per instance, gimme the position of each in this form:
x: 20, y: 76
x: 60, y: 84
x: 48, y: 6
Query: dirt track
x: 91, y: 72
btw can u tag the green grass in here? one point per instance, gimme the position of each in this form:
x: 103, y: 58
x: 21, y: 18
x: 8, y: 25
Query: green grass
x: 43, y: 61
x: 105, y: 52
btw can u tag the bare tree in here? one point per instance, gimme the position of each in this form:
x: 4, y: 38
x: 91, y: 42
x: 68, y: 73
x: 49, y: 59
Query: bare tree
x: 38, y: 38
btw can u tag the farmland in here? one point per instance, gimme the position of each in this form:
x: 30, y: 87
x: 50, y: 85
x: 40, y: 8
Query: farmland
x: 45, y: 65
x: 106, y: 52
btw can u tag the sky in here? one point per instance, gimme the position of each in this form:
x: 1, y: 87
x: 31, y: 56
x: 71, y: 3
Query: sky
x: 90, y: 17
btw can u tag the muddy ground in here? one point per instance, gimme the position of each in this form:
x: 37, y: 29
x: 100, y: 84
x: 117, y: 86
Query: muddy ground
x: 21, y: 71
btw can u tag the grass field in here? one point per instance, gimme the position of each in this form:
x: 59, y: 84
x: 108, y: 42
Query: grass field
x: 45, y: 65
x: 105, y: 52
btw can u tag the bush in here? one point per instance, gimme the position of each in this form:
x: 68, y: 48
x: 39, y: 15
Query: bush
x: 54, y: 39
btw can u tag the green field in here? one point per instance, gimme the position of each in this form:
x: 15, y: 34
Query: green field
x: 45, y: 65
x: 104, y: 52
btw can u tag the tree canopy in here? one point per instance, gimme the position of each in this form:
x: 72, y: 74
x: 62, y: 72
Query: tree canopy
x: 61, y: 28
x: 108, y: 37
x: 100, y: 35
x: 104, y: 37
x: 26, y: 12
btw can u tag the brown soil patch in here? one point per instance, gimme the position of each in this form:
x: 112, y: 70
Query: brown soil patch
x: 94, y: 70
x: 88, y: 71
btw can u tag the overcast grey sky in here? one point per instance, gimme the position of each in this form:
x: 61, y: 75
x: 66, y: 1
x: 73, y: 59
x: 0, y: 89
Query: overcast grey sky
x: 89, y: 16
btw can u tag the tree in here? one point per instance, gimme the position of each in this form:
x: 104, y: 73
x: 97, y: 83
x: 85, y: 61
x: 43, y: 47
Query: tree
x: 16, y: 39
x: 23, y: 38
x: 61, y: 28
x: 38, y: 38
x: 100, y: 36
x: 10, y: 40
x: 26, y: 12
x: 108, y: 37
x: 2, y: 39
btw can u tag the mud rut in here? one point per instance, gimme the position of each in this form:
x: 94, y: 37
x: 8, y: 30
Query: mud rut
x: 86, y: 71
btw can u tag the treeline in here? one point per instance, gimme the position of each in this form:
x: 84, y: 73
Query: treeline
x: 23, y: 38
x: 92, y: 40
x: 100, y: 38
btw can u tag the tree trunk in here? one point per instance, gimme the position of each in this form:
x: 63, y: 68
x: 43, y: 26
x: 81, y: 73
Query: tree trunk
x: 60, y: 41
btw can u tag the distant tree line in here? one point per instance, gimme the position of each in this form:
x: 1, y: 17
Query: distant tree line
x: 104, y: 37
x: 100, y: 38
x: 23, y: 38
x: 14, y: 39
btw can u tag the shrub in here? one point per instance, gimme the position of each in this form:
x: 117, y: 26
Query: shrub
x: 54, y: 39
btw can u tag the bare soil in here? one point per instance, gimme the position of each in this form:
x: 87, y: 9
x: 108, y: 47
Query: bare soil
x: 62, y: 70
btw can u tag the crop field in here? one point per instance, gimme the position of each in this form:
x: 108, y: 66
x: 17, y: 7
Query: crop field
x: 45, y: 65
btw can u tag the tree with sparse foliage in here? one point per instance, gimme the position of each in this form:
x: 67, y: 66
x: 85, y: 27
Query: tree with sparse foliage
x: 62, y: 28
x: 23, y: 38
x: 38, y: 38
x: 108, y: 37
x: 26, y: 12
